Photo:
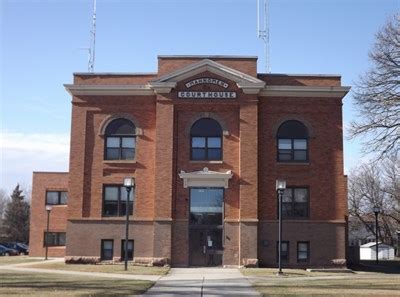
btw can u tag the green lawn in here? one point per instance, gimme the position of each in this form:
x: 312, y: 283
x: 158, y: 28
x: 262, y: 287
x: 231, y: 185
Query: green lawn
x: 5, y: 260
x: 37, y: 284
x: 116, y: 268
x: 384, y: 286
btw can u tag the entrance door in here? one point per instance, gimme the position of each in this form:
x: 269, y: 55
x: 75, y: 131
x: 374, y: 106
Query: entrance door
x: 206, y: 226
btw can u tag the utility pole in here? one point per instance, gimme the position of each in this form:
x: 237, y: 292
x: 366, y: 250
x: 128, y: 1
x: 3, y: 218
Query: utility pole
x: 263, y: 33
x: 92, y: 48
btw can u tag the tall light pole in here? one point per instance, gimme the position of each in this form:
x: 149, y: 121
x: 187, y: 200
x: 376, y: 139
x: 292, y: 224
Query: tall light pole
x: 129, y: 183
x: 48, y: 209
x: 280, y: 188
x: 376, y: 210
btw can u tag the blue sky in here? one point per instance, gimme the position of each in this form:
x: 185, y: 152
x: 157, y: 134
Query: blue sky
x: 41, y: 43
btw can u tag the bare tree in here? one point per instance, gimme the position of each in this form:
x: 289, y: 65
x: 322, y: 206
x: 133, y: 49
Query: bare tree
x: 391, y: 188
x: 377, y: 95
x: 376, y: 185
x: 3, y: 202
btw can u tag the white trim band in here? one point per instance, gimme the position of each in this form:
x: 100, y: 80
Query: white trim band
x: 153, y: 88
x: 110, y: 90
x: 304, y: 91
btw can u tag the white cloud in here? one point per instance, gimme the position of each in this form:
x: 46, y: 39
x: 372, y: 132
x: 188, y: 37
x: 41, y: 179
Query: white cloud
x: 23, y: 153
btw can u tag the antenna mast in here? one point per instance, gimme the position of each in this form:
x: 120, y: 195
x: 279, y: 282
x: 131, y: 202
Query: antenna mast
x: 92, y: 48
x: 263, y: 34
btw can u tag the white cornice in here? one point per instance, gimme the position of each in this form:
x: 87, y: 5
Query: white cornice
x: 109, y: 90
x: 304, y: 91
x: 162, y: 87
x: 251, y: 88
x: 165, y: 87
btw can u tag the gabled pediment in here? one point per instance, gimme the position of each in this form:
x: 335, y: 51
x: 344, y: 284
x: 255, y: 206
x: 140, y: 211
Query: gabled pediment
x: 248, y: 83
x: 205, y: 178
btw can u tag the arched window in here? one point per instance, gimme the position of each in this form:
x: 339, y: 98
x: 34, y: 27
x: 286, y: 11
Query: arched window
x: 206, y: 140
x: 120, y: 142
x: 292, y: 138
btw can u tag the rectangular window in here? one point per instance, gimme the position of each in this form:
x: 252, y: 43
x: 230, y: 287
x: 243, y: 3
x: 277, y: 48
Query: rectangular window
x: 206, y: 148
x: 292, y: 150
x: 114, y: 200
x: 127, y: 148
x: 107, y: 249
x: 56, y: 197
x: 303, y: 251
x: 295, y: 203
x: 130, y: 250
x: 54, y: 238
x: 206, y: 206
x: 285, y: 251
x: 120, y: 148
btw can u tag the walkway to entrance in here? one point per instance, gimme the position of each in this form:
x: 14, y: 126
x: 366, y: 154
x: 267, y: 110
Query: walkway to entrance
x: 202, y: 282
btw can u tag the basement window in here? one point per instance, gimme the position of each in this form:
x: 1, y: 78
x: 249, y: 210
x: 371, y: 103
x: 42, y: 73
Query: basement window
x: 54, y: 238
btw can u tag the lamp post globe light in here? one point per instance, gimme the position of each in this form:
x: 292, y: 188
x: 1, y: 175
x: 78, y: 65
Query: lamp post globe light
x: 376, y: 210
x: 129, y: 183
x: 280, y: 188
x: 46, y: 240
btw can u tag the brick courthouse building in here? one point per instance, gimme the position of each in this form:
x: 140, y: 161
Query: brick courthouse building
x: 205, y: 138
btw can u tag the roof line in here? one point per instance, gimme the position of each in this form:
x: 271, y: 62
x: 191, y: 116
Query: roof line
x: 52, y: 172
x: 302, y: 75
x: 114, y: 73
x: 156, y: 73
x: 206, y: 57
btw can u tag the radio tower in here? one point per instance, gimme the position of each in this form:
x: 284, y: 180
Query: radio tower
x: 263, y: 33
x: 92, y: 48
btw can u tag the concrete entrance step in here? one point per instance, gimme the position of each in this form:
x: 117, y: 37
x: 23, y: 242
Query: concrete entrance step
x: 338, y: 270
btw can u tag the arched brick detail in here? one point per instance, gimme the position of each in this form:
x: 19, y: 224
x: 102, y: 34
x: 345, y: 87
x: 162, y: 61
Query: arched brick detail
x: 111, y: 118
x: 306, y: 123
x: 210, y: 115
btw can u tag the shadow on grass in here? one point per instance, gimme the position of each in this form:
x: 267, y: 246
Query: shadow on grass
x: 389, y: 267
x: 12, y: 282
x: 337, y: 287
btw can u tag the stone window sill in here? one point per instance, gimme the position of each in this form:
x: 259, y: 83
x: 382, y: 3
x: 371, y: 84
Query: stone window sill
x: 206, y: 162
x: 294, y: 163
x: 119, y: 161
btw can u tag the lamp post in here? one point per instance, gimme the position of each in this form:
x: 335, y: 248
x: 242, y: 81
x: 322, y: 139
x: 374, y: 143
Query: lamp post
x: 376, y: 210
x: 48, y: 209
x: 280, y: 188
x: 129, y: 183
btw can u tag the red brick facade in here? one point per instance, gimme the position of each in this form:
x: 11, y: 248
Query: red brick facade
x: 43, y: 182
x: 160, y: 223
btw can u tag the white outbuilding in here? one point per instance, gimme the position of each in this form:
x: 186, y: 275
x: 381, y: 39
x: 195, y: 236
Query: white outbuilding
x: 368, y: 251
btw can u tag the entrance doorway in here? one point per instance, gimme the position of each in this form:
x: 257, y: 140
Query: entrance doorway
x: 206, y: 226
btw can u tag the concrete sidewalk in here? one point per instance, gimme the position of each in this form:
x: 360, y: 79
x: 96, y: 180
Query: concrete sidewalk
x: 202, y: 282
